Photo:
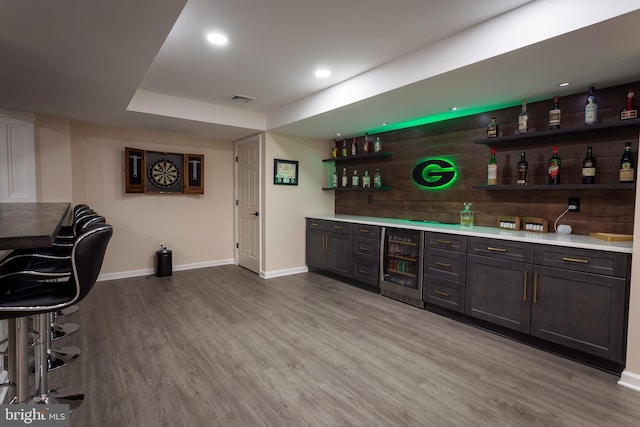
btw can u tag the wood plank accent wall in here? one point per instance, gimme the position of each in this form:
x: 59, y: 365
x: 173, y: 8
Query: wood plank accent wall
x: 600, y: 210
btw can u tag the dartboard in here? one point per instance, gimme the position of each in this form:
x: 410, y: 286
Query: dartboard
x: 163, y: 173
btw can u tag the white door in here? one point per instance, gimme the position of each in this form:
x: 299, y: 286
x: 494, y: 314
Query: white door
x: 17, y: 159
x: 248, y: 218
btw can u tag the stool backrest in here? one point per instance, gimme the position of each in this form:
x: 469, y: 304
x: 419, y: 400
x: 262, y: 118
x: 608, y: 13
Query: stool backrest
x: 87, y: 256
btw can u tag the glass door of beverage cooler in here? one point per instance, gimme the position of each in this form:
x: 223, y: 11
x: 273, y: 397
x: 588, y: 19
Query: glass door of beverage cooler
x: 401, y: 265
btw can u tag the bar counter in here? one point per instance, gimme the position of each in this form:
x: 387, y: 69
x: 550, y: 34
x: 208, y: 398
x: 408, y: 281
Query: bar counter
x: 30, y: 225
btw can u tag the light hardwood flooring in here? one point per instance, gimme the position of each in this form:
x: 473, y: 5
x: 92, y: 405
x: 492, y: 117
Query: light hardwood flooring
x: 222, y: 347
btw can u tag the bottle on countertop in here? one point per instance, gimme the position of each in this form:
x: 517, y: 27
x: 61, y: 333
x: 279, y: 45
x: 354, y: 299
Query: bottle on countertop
x: 523, y: 118
x: 492, y: 128
x: 466, y: 215
x: 345, y: 180
x: 366, y: 180
x: 354, y: 147
x: 377, y: 179
x: 554, y: 167
x: 627, y: 169
x: 355, y: 180
x: 629, y: 111
x: 523, y: 170
x: 344, y: 148
x: 492, y: 169
x: 554, y: 115
x: 589, y: 168
x: 591, y: 108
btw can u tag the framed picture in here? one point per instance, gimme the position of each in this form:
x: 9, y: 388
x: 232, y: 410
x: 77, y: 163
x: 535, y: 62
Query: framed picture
x: 285, y: 172
x: 194, y: 169
x: 134, y: 170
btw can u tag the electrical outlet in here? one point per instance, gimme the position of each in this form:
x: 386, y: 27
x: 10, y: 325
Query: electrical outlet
x: 574, y: 204
x: 369, y: 199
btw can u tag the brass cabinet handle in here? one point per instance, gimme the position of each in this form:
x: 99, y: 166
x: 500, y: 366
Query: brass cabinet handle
x: 442, y: 293
x: 362, y: 230
x: 444, y: 242
x: 580, y: 261
x: 314, y: 224
x: 492, y: 249
x: 535, y: 289
x: 524, y: 287
x: 365, y: 272
x: 443, y: 264
x: 363, y: 249
x: 337, y: 227
x: 326, y: 244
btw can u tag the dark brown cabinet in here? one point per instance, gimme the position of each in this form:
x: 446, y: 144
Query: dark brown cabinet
x: 366, y: 254
x: 329, y: 246
x: 445, y: 270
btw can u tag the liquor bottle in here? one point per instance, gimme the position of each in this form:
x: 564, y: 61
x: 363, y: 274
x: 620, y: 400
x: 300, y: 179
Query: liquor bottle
x: 589, y: 168
x: 365, y: 144
x: 492, y: 169
x: 345, y: 180
x: 523, y: 170
x: 591, y: 108
x: 355, y: 182
x: 377, y: 179
x: 554, y: 167
x: 554, y: 115
x: 466, y: 215
x: 334, y: 150
x: 627, y: 171
x: 366, y: 180
x: 492, y: 128
x: 335, y: 178
x: 377, y: 145
x: 344, y: 148
x: 354, y: 148
x: 523, y: 118
x: 630, y: 111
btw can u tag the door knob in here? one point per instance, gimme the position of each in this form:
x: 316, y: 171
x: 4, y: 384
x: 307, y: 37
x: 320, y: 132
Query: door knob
x: 256, y: 214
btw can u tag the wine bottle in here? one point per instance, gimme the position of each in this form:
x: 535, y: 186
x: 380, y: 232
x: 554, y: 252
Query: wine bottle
x: 344, y: 148
x: 591, y: 108
x: 554, y: 167
x: 627, y: 171
x: 365, y: 145
x: 492, y: 128
x: 523, y: 170
x: 523, y: 118
x: 355, y: 181
x: 377, y: 179
x: 366, y: 180
x: 589, y: 168
x: 492, y: 169
x: 554, y: 115
x: 630, y: 111
x: 354, y: 147
x: 345, y: 180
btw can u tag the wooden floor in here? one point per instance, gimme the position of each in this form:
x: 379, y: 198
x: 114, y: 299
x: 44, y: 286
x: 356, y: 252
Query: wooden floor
x: 222, y: 347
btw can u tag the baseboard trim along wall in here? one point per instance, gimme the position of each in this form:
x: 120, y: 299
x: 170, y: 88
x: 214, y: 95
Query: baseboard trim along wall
x: 285, y: 272
x: 629, y: 379
x: 151, y: 271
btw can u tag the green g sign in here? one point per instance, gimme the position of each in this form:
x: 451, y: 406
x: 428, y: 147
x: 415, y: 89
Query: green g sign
x: 434, y: 174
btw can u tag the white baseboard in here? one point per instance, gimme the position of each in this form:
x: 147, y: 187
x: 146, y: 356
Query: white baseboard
x: 285, y: 272
x: 629, y: 379
x: 151, y: 271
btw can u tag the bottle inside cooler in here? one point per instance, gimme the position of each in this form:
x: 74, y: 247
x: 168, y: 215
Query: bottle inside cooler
x: 401, y: 257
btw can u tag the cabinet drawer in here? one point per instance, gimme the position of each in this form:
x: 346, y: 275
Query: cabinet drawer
x: 372, y: 231
x: 450, y: 242
x: 366, y: 248
x: 446, y: 264
x: 332, y: 226
x: 444, y: 293
x: 500, y: 249
x: 366, y: 271
x: 591, y: 261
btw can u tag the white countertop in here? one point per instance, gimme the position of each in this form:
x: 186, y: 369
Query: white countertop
x: 571, y: 240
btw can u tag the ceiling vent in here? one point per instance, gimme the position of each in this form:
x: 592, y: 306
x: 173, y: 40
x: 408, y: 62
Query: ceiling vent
x: 241, y: 99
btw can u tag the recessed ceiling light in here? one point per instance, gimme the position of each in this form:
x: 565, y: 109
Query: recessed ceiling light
x: 217, y: 38
x: 322, y: 73
x: 338, y: 134
x: 453, y: 108
x: 564, y: 84
x: 384, y: 124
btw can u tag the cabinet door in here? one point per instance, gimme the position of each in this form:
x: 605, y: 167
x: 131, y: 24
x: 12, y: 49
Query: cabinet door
x: 499, y: 291
x: 339, y: 256
x: 580, y: 310
x: 316, y: 248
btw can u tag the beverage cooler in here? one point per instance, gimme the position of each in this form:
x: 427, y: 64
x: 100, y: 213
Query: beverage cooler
x: 401, y: 265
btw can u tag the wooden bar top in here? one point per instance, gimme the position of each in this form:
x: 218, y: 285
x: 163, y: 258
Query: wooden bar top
x: 30, y: 225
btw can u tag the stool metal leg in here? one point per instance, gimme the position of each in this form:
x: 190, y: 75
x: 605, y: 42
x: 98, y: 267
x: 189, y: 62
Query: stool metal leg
x: 20, y: 376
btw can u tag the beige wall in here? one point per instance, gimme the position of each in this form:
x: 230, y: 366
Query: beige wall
x: 286, y: 206
x: 53, y: 159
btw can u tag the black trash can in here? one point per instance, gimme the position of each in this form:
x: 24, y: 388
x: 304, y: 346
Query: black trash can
x: 163, y: 263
